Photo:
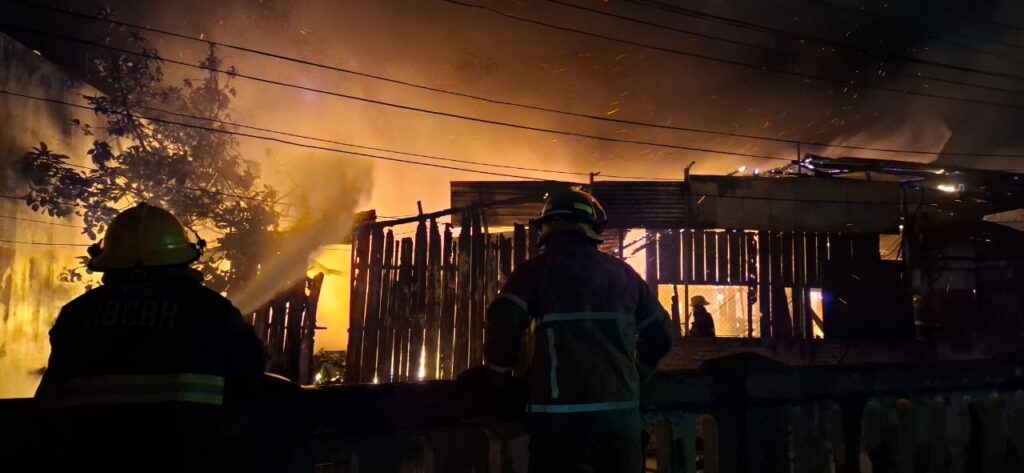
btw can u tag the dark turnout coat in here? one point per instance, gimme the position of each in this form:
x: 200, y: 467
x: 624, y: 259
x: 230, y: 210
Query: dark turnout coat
x: 154, y: 337
x: 599, y: 329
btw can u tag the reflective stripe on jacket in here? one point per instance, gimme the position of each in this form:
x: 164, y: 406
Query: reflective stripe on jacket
x: 135, y: 389
x: 596, y: 322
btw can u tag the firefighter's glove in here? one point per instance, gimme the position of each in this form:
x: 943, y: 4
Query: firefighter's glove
x: 485, y: 377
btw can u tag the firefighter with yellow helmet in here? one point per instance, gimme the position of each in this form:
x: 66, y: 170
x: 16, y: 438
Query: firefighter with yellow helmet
x: 599, y: 330
x: 150, y: 334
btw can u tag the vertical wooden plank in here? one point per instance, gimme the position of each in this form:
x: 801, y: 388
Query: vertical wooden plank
x: 275, y: 342
x: 669, y: 257
x: 371, y: 327
x: 464, y: 288
x: 811, y: 261
x: 736, y: 261
x: 651, y: 259
x: 799, y: 276
x: 261, y: 323
x: 418, y: 315
x: 687, y: 256
x: 750, y: 277
x: 410, y: 354
x: 710, y: 257
x: 313, y: 286
x: 699, y: 275
x: 433, y: 309
x: 786, y: 262
x: 781, y: 255
x: 723, y: 257
x: 519, y: 249
x: 357, y: 306
x: 388, y: 300
x: 764, y: 264
x: 293, y: 331
x: 479, y: 285
x: 448, y: 303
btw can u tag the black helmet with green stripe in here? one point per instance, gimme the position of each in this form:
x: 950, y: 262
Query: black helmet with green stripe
x: 574, y: 210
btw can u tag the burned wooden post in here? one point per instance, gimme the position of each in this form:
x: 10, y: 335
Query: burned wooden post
x: 800, y: 319
x: 764, y: 275
x: 407, y: 278
x: 751, y: 278
x: 309, y: 328
x: 433, y: 302
x: 699, y: 275
x: 357, y: 306
x: 448, y: 302
x: 463, y: 313
x: 275, y: 340
x: 722, y: 244
x: 385, y: 362
x: 478, y: 287
x: 372, y: 324
x: 736, y: 245
x: 418, y: 319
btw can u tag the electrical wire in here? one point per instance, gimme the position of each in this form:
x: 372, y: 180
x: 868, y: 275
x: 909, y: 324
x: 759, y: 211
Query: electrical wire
x: 745, y: 65
x: 680, y: 10
x: 388, y: 104
x: 773, y: 50
x: 276, y: 140
x: 46, y: 244
x: 56, y: 224
x: 602, y: 118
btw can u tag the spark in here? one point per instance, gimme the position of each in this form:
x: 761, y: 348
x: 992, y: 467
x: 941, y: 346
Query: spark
x: 949, y: 188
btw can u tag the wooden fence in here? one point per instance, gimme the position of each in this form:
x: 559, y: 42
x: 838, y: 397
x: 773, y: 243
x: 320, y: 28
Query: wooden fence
x: 287, y: 325
x: 418, y: 304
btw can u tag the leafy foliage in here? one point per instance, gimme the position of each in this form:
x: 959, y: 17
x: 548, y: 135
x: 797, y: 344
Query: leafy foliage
x: 197, y: 174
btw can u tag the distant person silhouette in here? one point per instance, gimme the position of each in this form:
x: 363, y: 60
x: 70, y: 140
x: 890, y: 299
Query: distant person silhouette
x: 703, y: 325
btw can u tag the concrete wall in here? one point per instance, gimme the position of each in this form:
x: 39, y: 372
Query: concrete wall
x: 31, y: 293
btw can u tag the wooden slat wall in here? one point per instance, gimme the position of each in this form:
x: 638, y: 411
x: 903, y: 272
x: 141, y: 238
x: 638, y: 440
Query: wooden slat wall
x: 419, y: 304
x: 286, y: 325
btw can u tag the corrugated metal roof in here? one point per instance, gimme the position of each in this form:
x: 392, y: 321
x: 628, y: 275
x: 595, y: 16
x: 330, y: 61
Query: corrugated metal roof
x: 731, y: 202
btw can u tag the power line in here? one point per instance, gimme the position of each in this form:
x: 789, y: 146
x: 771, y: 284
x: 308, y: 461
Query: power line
x: 46, y: 244
x: 805, y: 37
x: 276, y: 140
x: 935, y: 26
x: 732, y: 62
x: 391, y: 104
x: 312, y: 138
x: 603, y: 118
x: 57, y: 224
x: 771, y: 49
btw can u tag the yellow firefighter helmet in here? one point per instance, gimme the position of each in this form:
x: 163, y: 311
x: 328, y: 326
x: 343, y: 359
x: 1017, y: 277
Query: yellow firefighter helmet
x: 144, y: 236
